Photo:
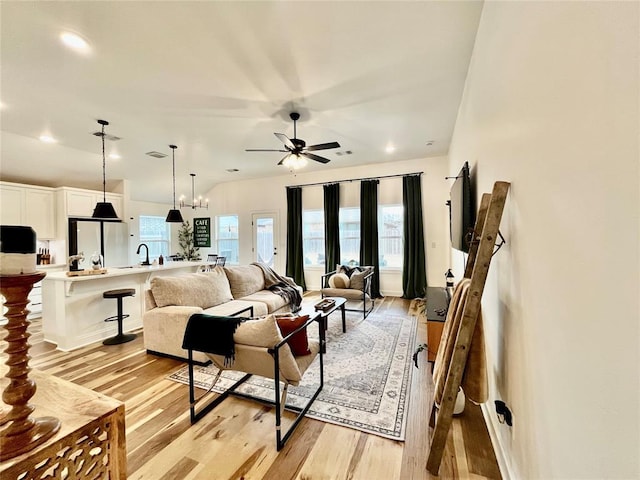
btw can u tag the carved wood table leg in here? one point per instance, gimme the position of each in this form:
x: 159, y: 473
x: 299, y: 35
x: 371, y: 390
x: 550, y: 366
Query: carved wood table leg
x: 20, y: 433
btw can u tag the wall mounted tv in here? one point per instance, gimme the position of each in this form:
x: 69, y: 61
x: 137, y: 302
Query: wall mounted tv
x: 462, y: 210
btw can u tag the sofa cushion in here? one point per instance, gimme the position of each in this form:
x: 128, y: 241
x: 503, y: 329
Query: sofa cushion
x: 229, y: 308
x: 273, y: 301
x: 194, y: 289
x: 299, y: 342
x: 221, y: 285
x: 244, y: 280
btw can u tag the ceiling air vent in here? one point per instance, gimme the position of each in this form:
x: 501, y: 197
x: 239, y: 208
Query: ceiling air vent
x: 156, y: 154
x: 113, y: 138
x: 232, y: 170
x: 346, y: 152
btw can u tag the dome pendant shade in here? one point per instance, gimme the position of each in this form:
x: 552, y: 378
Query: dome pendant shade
x: 174, y: 216
x: 104, y: 210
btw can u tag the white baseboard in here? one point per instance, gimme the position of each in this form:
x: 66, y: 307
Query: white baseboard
x: 498, y: 448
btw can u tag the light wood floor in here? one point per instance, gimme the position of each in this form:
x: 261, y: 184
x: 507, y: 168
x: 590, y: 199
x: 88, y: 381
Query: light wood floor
x: 237, y: 439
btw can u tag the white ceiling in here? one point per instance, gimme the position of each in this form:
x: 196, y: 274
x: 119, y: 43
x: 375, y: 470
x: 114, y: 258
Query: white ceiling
x: 218, y: 77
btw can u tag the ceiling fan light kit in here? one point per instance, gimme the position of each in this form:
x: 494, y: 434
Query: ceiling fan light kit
x: 104, y: 210
x: 174, y: 215
x: 296, y: 149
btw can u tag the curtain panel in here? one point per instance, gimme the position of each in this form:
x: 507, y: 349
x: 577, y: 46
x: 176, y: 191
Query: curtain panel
x: 414, y: 276
x: 331, y: 226
x: 369, y: 253
x: 295, y: 257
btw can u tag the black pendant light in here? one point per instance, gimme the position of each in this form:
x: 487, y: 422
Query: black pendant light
x: 174, y: 215
x: 104, y: 209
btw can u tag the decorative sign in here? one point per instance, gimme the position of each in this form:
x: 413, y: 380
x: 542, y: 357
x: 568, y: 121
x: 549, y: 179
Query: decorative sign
x: 202, y: 232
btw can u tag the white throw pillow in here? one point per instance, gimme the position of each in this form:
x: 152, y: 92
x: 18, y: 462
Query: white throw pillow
x: 339, y: 280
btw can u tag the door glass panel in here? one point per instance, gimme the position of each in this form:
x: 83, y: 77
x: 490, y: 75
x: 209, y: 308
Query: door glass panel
x: 264, y: 241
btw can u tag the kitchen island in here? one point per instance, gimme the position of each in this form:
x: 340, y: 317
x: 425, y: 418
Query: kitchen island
x: 74, y: 310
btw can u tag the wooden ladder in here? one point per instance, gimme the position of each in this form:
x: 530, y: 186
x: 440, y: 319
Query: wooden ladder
x: 480, y: 253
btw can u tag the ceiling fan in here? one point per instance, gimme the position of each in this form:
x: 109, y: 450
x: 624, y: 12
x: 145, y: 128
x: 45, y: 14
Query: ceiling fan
x: 296, y: 149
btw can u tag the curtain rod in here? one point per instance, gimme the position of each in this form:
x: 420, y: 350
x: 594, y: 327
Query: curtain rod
x: 356, y: 179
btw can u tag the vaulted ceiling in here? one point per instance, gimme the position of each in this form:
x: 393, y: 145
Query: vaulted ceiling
x: 216, y: 78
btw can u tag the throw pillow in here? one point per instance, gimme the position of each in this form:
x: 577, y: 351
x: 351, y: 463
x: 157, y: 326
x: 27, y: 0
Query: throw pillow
x: 339, y: 280
x: 244, y: 280
x: 357, y: 278
x: 260, y: 332
x: 346, y: 269
x: 299, y: 342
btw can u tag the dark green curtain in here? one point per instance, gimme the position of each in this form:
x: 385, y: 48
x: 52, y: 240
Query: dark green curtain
x: 369, y: 254
x: 295, y: 256
x: 414, y: 275
x: 331, y: 226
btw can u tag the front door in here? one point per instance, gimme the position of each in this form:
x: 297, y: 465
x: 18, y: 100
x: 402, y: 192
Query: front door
x: 265, y: 238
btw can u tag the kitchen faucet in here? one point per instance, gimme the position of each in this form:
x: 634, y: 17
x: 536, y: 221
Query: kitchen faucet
x: 146, y: 261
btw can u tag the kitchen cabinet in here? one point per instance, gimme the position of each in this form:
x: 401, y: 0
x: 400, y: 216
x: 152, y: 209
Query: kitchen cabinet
x: 80, y: 203
x: 28, y: 205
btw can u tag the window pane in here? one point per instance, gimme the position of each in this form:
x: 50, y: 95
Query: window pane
x: 350, y: 236
x: 227, y: 238
x: 155, y: 233
x: 313, y: 237
x: 390, y: 241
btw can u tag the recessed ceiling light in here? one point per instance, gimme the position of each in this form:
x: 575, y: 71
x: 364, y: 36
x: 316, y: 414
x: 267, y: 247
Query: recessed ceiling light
x: 114, y: 156
x: 390, y: 149
x: 47, y: 139
x: 74, y: 41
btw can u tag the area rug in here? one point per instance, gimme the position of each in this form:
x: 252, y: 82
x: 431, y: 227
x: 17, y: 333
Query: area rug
x: 367, y: 375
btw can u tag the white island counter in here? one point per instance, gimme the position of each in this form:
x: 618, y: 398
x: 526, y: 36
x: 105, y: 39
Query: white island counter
x: 74, y: 310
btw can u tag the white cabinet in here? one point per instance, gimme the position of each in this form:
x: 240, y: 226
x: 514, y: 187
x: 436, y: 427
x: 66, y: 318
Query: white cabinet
x: 28, y: 205
x: 80, y: 203
x: 40, y: 211
x: 11, y: 204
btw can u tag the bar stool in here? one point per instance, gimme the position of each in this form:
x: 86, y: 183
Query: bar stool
x: 119, y: 295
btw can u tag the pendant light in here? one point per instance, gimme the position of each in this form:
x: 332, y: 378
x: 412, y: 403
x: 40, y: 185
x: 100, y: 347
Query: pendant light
x: 174, y: 215
x: 197, y: 202
x: 104, y: 209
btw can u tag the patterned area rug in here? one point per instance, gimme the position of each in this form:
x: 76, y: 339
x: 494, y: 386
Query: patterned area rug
x: 367, y: 375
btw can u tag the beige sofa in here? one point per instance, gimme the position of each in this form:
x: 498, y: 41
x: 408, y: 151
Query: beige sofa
x: 170, y: 301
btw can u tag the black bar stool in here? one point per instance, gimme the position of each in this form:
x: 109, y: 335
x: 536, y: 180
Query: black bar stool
x: 119, y: 295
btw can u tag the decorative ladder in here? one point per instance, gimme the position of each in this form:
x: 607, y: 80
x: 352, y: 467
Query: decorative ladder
x: 480, y: 252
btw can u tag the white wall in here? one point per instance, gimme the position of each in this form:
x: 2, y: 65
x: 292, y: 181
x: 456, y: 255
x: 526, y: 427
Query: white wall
x: 246, y: 197
x: 551, y: 105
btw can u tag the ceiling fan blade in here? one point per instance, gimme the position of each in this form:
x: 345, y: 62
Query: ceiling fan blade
x: 322, y: 146
x: 317, y: 158
x: 283, y: 159
x: 284, y: 139
x: 263, y: 150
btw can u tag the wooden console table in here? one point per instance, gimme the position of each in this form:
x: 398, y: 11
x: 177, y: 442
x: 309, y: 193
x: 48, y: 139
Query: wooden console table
x: 437, y: 305
x: 91, y: 440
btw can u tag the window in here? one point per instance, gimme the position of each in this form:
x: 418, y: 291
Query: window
x: 313, y: 237
x: 349, y: 236
x: 156, y: 234
x: 227, y: 237
x: 390, y: 240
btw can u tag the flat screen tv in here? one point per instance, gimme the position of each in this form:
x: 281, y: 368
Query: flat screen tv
x: 462, y: 211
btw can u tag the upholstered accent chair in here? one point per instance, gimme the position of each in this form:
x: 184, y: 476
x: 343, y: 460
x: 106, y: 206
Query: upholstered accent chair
x: 262, y: 349
x: 354, y: 284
